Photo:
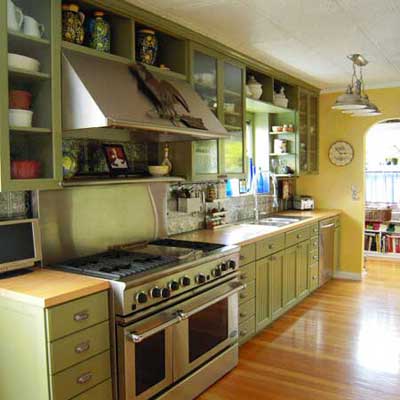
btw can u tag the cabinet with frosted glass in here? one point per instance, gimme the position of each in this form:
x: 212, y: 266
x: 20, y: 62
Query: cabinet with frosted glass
x: 308, y: 132
x: 220, y: 83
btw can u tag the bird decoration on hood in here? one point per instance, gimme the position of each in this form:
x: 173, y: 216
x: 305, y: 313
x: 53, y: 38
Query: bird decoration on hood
x: 164, y: 96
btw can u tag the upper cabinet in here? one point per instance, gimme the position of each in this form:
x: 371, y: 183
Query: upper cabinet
x: 30, y: 121
x: 308, y: 132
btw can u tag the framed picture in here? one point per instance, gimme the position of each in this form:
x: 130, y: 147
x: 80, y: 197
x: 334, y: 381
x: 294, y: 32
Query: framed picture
x: 116, y: 159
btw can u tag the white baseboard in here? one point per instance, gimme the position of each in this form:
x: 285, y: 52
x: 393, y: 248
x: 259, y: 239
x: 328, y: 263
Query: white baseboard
x: 352, y: 276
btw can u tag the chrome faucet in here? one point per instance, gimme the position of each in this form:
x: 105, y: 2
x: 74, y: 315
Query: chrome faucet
x: 275, y: 202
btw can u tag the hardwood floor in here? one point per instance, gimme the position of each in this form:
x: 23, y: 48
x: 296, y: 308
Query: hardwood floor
x: 342, y: 342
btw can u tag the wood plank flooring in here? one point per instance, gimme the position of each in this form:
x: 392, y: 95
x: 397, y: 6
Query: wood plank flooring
x: 342, y: 342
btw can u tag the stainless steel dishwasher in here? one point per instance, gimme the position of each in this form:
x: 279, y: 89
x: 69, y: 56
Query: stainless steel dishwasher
x: 326, y: 250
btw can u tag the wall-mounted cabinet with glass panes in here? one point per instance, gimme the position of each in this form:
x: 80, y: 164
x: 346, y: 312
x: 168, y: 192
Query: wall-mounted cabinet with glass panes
x: 30, y: 84
x: 308, y: 132
x: 220, y: 83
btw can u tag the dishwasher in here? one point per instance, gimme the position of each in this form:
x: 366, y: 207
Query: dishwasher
x: 326, y: 250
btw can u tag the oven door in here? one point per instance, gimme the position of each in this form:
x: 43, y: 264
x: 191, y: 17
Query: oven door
x: 209, y: 325
x: 145, y: 356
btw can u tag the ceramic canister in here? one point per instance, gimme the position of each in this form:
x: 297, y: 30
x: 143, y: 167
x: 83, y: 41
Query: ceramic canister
x: 99, y: 33
x: 146, y: 46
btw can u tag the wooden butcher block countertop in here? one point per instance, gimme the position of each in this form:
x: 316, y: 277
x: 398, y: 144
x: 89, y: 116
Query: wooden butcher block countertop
x: 243, y: 233
x: 47, y: 288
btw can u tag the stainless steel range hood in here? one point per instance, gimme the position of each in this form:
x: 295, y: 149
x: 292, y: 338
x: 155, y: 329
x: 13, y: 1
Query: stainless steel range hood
x: 99, y: 93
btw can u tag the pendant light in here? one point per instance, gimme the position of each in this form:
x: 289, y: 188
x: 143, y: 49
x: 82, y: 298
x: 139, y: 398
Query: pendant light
x: 354, y: 101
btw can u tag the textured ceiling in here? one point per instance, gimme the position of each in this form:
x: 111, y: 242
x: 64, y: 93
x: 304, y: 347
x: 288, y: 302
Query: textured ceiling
x: 307, y: 38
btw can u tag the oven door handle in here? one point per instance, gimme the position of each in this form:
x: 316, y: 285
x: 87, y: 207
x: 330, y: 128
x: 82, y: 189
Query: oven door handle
x: 139, y: 337
x: 237, y: 287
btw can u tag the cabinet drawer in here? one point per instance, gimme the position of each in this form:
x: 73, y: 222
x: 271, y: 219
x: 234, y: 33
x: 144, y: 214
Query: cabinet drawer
x: 246, y: 330
x: 77, y: 315
x: 314, y: 277
x: 248, y: 293
x: 247, y: 310
x: 314, y: 257
x: 297, y: 236
x: 314, y: 243
x: 269, y: 246
x: 81, y: 377
x: 247, y: 253
x: 103, y: 391
x: 248, y: 273
x: 79, y: 346
x: 314, y: 229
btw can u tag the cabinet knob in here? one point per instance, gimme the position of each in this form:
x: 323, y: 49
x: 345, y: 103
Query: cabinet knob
x: 82, y: 347
x: 81, y: 316
x: 243, y: 314
x: 84, y: 378
x: 243, y: 295
x: 243, y: 277
x: 271, y: 246
x: 298, y: 236
x: 315, y: 257
x: 243, y: 332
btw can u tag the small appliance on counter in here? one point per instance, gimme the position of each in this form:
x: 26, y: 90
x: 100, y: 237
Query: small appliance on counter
x: 303, y: 203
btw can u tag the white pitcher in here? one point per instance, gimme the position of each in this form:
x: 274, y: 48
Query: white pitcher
x: 32, y: 27
x: 15, y: 16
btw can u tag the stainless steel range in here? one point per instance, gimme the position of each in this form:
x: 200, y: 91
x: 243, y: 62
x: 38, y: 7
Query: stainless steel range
x: 176, y: 315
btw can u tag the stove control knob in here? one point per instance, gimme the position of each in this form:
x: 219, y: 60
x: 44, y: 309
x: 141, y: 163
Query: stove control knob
x: 232, y: 264
x: 216, y: 272
x: 185, y: 281
x: 173, y: 285
x: 223, y: 266
x: 200, y: 278
x: 141, y: 297
x: 165, y: 293
x: 155, y: 292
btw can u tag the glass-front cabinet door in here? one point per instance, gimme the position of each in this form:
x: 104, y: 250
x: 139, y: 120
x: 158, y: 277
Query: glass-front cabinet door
x: 220, y: 84
x: 308, y: 132
x: 233, y: 117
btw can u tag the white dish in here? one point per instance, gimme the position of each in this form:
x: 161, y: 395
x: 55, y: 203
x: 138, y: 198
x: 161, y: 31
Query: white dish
x: 23, y: 62
x: 281, y: 102
x: 20, y: 118
x: 158, y: 170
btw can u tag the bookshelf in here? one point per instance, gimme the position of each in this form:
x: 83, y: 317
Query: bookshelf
x: 382, y: 239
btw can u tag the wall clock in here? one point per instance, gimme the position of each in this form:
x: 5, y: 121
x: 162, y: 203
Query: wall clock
x: 341, y: 153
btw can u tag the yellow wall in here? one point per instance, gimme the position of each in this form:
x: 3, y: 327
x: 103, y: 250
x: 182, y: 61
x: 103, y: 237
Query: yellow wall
x: 332, y: 187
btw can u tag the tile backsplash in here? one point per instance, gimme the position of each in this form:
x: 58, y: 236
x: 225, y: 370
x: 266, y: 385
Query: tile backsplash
x: 238, y: 209
x: 14, y: 205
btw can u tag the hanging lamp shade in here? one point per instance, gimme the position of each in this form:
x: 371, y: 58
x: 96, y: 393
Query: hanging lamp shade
x: 351, y: 100
x: 371, y: 111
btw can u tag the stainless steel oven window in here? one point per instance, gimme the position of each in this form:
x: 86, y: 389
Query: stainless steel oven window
x: 207, y: 329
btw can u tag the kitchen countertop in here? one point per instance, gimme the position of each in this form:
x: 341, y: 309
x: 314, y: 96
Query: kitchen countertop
x: 47, y: 288
x: 245, y: 233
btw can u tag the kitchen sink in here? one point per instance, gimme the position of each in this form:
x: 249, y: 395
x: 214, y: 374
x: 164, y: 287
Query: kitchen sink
x: 278, y: 221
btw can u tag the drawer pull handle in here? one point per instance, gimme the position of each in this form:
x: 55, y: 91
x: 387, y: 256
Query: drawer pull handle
x: 243, y: 314
x: 84, y: 378
x: 243, y: 276
x: 243, y: 295
x: 243, y: 332
x: 271, y: 246
x: 82, y: 347
x: 81, y: 316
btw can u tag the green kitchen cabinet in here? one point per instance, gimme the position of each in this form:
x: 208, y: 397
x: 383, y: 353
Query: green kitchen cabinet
x: 277, y: 283
x: 55, y: 353
x: 263, y: 293
x: 290, y: 277
x: 40, y: 142
x: 308, y: 146
x: 302, y: 263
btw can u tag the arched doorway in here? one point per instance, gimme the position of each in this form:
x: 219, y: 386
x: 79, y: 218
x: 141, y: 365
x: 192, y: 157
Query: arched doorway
x: 382, y: 190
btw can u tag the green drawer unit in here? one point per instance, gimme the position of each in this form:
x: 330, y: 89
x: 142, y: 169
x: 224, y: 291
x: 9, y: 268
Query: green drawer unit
x: 76, y: 315
x: 314, y: 245
x: 314, y: 230
x: 269, y: 246
x: 314, y: 257
x: 248, y: 273
x: 248, y: 293
x: 246, y: 330
x: 78, y: 347
x: 313, y: 277
x: 102, y: 391
x: 247, y: 254
x: 297, y: 236
x: 247, y: 310
x: 78, y: 379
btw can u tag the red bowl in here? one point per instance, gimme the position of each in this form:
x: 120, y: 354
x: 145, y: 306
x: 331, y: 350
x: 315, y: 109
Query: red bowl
x: 20, y: 99
x: 25, y: 169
